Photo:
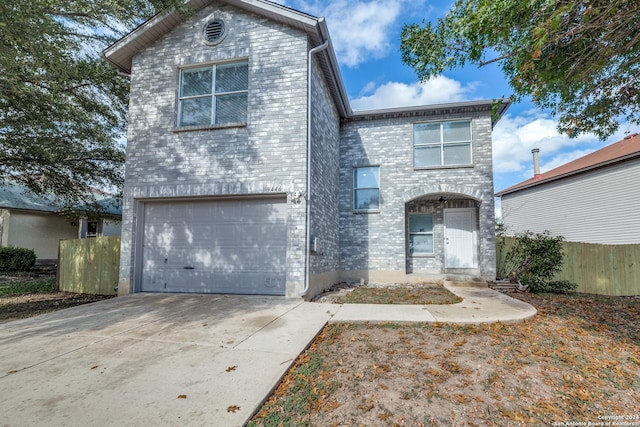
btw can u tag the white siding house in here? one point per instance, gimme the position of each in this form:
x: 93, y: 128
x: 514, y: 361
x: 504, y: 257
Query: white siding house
x: 594, y: 199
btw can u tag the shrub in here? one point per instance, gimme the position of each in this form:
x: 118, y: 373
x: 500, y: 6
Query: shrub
x: 16, y: 259
x: 533, y: 261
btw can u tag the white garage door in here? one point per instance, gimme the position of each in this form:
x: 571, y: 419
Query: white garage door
x: 229, y: 246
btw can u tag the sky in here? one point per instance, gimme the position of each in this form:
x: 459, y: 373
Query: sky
x: 366, y: 37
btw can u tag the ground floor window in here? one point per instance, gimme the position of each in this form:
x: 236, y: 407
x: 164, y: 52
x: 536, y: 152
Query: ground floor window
x: 92, y: 228
x: 421, y: 234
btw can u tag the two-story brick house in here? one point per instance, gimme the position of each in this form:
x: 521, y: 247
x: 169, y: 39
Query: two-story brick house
x: 248, y: 172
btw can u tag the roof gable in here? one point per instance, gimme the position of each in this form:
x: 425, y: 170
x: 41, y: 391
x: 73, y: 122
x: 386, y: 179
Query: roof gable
x: 121, y: 53
x: 622, y: 150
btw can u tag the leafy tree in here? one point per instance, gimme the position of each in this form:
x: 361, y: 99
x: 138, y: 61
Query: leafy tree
x: 62, y: 108
x: 578, y: 58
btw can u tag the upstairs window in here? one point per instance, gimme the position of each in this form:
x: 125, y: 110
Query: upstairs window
x: 442, y: 144
x: 213, y: 95
x: 421, y: 234
x: 366, y: 188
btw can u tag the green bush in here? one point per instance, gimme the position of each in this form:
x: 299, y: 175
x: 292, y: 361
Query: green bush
x: 16, y: 259
x: 534, y: 260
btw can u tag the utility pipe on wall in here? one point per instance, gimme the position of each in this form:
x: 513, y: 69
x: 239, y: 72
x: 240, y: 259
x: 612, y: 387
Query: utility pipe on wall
x: 307, y: 259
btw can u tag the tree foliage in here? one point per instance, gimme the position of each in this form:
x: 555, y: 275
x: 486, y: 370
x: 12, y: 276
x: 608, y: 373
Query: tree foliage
x: 62, y: 108
x: 578, y: 58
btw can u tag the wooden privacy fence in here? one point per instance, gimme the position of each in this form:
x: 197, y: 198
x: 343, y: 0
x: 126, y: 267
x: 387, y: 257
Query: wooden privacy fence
x: 612, y: 270
x: 89, y: 266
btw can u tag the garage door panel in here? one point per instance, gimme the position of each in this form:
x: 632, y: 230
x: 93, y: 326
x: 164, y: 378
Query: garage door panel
x: 175, y: 280
x: 232, y: 246
x: 237, y: 282
x: 154, y: 280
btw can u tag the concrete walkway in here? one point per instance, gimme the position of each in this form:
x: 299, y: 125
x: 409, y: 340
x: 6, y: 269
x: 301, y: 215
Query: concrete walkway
x: 182, y: 360
x: 480, y: 304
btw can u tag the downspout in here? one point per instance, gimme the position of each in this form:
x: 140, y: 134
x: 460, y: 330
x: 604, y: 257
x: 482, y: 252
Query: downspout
x: 307, y: 258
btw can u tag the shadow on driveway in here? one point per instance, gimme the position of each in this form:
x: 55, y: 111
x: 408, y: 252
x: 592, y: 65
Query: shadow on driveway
x: 150, y: 359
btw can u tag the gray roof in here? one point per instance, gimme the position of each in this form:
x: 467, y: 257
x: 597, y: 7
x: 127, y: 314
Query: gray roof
x: 16, y: 196
x: 500, y: 105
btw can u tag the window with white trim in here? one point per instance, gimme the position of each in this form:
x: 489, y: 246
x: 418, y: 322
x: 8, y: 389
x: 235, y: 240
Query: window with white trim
x: 366, y: 188
x: 92, y: 228
x: 421, y: 234
x: 213, y: 95
x: 442, y: 144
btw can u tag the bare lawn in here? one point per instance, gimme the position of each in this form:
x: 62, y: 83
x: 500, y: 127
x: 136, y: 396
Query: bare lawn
x: 414, y: 293
x: 576, y: 362
x: 27, y: 295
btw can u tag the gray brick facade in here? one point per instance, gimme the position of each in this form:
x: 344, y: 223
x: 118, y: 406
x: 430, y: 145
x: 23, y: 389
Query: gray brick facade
x: 267, y: 155
x: 373, y: 246
x: 325, y: 176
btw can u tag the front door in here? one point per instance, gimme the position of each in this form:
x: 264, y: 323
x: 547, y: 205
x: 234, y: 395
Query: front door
x: 461, y: 248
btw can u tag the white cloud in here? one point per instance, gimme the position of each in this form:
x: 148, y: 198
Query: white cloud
x: 360, y: 30
x: 514, y: 137
x: 437, y: 90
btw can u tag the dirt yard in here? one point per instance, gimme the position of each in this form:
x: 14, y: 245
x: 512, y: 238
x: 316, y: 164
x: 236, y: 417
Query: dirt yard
x: 576, y: 362
x: 26, y: 296
x: 414, y: 293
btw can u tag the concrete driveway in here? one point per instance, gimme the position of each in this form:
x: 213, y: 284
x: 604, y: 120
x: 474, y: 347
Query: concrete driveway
x: 152, y: 360
x: 184, y: 360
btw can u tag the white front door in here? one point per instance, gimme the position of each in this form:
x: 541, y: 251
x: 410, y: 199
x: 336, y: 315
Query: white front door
x: 460, y: 231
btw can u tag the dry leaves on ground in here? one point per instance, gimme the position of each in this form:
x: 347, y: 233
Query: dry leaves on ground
x: 576, y: 361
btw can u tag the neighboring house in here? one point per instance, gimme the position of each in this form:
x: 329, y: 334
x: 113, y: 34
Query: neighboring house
x: 594, y: 199
x: 39, y: 223
x: 248, y: 172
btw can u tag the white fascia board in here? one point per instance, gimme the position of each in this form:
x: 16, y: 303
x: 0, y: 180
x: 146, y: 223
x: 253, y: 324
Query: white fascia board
x: 121, y: 52
x: 505, y: 103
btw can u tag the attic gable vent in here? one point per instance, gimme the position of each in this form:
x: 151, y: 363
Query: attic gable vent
x: 214, y: 31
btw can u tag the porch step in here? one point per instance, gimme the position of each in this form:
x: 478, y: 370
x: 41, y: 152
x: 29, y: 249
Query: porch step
x: 464, y: 278
x: 503, y: 286
x: 45, y: 268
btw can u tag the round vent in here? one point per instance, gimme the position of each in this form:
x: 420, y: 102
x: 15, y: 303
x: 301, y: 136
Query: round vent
x: 214, y: 31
